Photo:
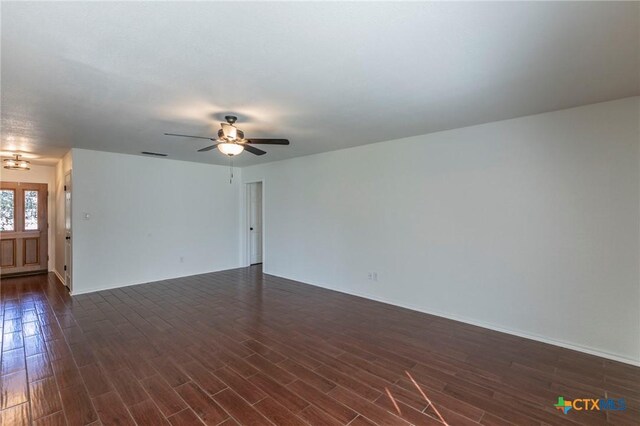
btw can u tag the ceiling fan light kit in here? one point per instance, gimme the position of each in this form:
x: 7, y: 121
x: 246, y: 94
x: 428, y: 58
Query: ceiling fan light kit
x: 230, y: 149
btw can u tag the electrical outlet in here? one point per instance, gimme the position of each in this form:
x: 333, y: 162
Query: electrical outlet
x: 375, y: 276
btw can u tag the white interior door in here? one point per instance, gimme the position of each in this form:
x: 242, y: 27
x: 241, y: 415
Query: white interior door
x: 67, y: 227
x: 255, y: 222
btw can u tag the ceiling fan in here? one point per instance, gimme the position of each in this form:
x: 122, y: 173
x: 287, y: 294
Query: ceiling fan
x: 231, y: 140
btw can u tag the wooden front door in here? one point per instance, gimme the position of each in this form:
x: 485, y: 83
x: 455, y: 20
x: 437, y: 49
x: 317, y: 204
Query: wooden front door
x: 23, y: 228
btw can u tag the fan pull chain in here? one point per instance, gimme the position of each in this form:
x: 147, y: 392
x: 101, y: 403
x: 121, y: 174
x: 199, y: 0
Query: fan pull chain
x: 230, y: 171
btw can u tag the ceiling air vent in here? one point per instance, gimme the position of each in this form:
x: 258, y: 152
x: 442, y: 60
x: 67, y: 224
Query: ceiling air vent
x: 157, y: 154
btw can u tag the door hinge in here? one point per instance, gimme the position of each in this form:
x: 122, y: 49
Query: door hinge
x: 65, y: 267
x: 65, y: 187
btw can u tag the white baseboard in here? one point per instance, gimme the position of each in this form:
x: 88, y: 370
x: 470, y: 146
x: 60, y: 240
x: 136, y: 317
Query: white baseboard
x: 526, y: 335
x: 112, y: 287
x: 59, y: 276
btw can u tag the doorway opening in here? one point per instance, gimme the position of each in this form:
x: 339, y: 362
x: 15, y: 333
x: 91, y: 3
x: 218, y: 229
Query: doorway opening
x: 254, y: 223
x: 24, y: 247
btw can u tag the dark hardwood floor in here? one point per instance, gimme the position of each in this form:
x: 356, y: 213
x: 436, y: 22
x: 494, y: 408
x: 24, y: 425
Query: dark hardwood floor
x: 240, y: 347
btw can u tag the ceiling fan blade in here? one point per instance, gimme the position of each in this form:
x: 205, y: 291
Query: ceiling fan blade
x: 269, y: 141
x: 208, y: 148
x: 189, y: 136
x: 253, y: 150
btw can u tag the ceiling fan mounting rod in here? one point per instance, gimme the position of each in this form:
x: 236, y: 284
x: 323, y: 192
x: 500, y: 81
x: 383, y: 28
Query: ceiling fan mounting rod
x: 231, y: 119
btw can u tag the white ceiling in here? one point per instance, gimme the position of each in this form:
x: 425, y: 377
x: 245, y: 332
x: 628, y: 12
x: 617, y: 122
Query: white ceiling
x: 116, y: 76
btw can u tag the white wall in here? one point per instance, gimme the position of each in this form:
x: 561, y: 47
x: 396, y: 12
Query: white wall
x: 39, y: 174
x: 62, y: 168
x: 147, y: 213
x: 529, y: 226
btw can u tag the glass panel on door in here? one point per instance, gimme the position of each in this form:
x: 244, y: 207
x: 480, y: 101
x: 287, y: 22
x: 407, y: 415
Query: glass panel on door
x: 30, y: 210
x: 7, y: 210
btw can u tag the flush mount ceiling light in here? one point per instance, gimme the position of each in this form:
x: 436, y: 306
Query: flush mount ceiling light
x: 16, y: 163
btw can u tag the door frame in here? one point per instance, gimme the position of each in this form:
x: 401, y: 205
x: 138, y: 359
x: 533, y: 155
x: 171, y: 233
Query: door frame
x: 246, y: 223
x: 68, y: 263
x: 20, y: 235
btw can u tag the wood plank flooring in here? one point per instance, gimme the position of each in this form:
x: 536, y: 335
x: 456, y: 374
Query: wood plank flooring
x: 240, y: 347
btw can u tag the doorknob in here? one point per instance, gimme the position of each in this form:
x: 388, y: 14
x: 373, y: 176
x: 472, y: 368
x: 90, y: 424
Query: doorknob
x: 67, y: 238
x: 250, y: 229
